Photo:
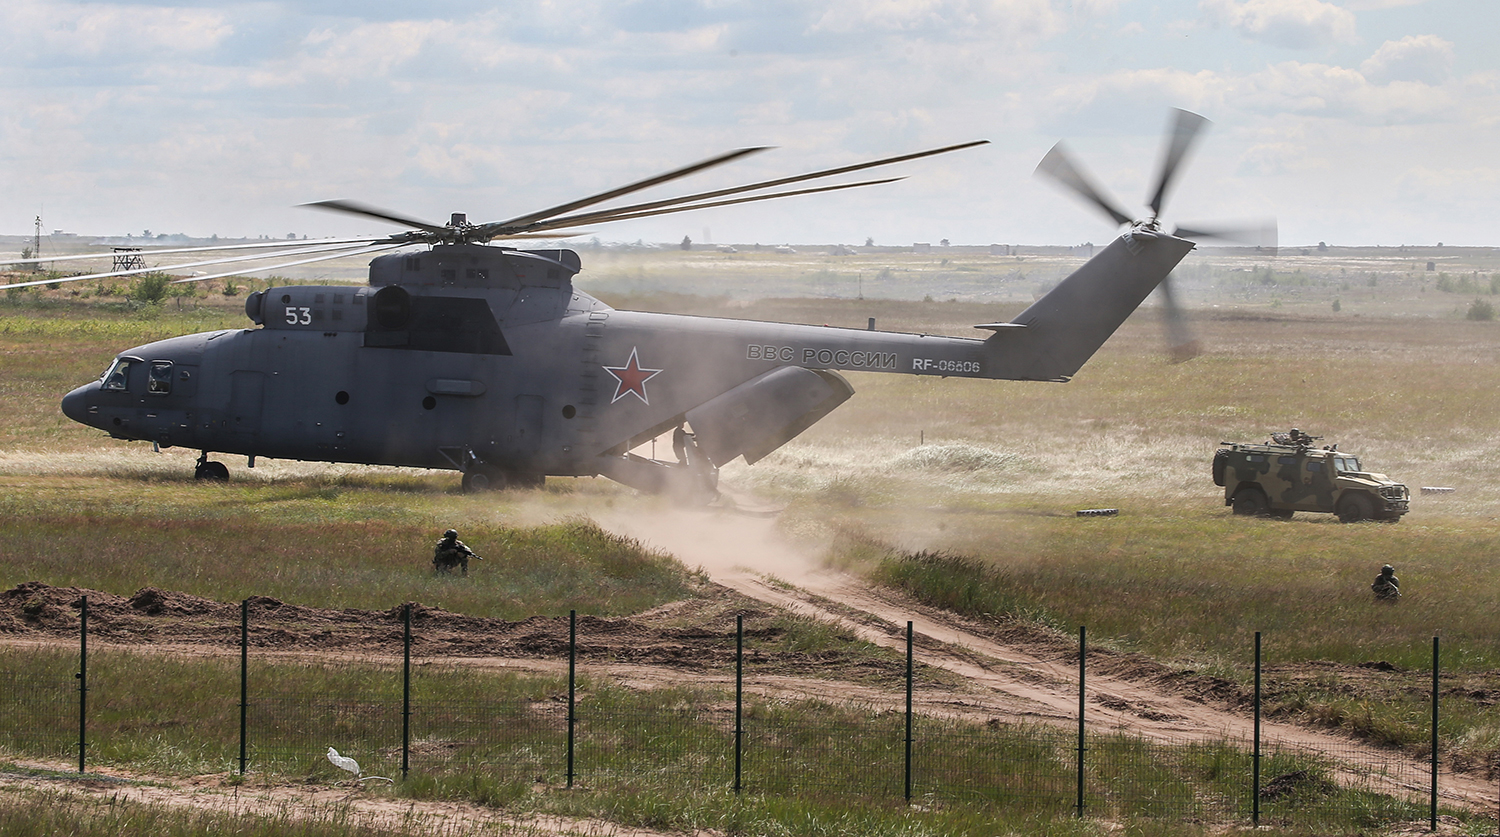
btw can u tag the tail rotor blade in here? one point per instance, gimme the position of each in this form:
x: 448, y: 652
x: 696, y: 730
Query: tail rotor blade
x: 1185, y: 129
x: 1256, y: 233
x: 1181, y: 345
x: 1059, y: 166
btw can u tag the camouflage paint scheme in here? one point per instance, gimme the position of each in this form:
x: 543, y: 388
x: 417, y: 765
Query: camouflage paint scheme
x: 1302, y: 478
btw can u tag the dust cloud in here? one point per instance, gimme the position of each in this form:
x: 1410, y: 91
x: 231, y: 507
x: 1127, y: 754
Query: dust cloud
x: 727, y: 544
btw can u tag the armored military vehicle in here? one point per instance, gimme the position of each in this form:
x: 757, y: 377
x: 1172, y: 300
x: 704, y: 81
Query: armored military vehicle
x: 1292, y: 474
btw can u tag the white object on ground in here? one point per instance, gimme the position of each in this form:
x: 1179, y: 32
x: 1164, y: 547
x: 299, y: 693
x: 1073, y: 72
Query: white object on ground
x: 346, y: 763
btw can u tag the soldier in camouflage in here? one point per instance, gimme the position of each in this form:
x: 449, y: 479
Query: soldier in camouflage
x: 1386, y: 587
x: 451, y: 552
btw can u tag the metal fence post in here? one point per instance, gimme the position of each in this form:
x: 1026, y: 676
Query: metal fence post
x: 1255, y: 759
x: 405, y: 690
x: 1434, y: 803
x: 739, y: 696
x: 572, y: 685
x: 83, y: 679
x: 1082, y: 669
x: 908, y: 709
x: 244, y: 679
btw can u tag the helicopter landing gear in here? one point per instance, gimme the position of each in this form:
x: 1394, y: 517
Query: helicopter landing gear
x: 481, y: 476
x: 213, y: 471
x: 482, y: 479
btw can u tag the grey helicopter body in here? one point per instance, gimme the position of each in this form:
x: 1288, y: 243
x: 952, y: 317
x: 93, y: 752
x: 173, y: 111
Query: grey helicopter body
x: 488, y: 360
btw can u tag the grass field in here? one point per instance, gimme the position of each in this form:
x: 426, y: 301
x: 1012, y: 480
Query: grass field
x: 1369, y: 349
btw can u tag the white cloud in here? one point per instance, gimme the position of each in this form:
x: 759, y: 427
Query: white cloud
x: 69, y: 31
x: 1272, y: 158
x: 1339, y: 92
x: 1130, y: 101
x: 1292, y: 24
x: 1424, y: 58
x: 1366, y: 5
x: 1095, y: 8
x: 1008, y: 21
x: 1446, y: 186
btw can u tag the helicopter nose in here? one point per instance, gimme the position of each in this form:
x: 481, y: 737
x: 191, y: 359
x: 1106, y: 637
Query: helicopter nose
x: 75, y: 405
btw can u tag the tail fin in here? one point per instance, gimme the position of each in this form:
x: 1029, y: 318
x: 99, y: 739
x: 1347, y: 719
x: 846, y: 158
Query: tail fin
x: 1051, y: 340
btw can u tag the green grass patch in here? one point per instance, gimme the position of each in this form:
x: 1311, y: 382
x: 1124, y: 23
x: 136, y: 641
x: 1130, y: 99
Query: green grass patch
x: 42, y: 813
x: 661, y: 759
x: 1135, y: 592
x: 323, y: 546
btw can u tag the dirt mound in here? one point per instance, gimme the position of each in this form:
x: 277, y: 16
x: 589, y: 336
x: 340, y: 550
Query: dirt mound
x: 692, y: 635
x: 154, y: 602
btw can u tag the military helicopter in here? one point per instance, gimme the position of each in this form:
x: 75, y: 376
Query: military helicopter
x: 487, y: 359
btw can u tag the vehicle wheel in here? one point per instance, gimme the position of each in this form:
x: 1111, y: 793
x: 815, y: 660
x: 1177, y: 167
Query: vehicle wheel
x: 1353, y: 508
x: 215, y: 471
x: 1221, y: 463
x: 1250, y: 502
x: 1281, y: 514
x: 480, y: 480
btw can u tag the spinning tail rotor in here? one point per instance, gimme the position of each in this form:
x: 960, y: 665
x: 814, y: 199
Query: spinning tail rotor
x: 1181, y: 138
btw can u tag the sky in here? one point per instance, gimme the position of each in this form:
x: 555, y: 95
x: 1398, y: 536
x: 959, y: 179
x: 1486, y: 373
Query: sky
x: 1355, y: 122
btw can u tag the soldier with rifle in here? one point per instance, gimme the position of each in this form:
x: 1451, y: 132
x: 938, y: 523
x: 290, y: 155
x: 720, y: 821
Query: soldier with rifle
x: 1386, y: 587
x: 451, y: 552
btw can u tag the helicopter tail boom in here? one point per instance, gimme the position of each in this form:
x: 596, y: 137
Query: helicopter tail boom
x: 1052, y: 339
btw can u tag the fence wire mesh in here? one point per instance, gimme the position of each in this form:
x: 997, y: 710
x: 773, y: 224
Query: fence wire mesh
x: 183, y: 715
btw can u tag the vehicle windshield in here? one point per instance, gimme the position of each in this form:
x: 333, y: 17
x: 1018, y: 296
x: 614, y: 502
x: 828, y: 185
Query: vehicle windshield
x: 1347, y: 464
x: 117, y: 376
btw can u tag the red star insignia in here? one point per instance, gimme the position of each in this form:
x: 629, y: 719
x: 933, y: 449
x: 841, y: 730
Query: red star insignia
x: 632, y: 378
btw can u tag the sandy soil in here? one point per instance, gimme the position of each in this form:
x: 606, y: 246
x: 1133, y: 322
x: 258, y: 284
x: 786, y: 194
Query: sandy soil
x: 346, y: 803
x: 1009, y: 673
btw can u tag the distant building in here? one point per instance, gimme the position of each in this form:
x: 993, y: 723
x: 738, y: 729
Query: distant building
x: 922, y: 247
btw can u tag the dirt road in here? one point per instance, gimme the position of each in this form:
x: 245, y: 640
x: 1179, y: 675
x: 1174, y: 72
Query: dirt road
x: 1015, y: 673
x: 1018, y: 675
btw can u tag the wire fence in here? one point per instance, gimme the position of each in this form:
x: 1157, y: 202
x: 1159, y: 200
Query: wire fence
x: 449, y: 724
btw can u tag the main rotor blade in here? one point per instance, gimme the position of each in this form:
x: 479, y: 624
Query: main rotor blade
x: 524, y: 220
x: 545, y: 235
x: 624, y: 214
x: 357, y: 208
x: 1060, y: 167
x: 338, y: 252
x: 1257, y: 233
x: 249, y: 270
x: 1185, y: 130
x: 144, y: 251
x: 634, y: 210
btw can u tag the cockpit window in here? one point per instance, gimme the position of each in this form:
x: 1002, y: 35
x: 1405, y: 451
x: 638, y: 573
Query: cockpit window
x: 160, y: 380
x: 117, y: 377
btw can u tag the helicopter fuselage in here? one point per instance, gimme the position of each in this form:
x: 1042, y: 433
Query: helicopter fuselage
x: 487, y: 360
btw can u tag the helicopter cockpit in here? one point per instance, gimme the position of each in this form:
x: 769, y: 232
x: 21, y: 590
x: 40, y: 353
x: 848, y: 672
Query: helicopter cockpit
x: 117, y: 377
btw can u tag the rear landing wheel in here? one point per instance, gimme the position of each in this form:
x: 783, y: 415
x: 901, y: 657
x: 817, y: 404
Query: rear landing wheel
x: 480, y: 480
x: 214, y: 471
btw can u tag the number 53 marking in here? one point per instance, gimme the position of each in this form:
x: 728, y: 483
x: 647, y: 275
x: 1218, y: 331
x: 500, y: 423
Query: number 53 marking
x: 299, y: 316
